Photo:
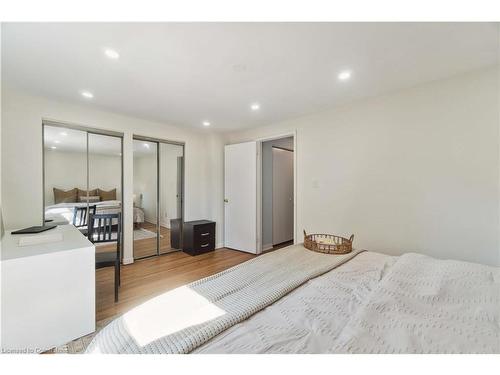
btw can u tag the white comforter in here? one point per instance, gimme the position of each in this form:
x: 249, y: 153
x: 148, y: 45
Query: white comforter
x: 379, y: 304
x: 372, y: 304
x: 65, y: 210
x: 185, y: 318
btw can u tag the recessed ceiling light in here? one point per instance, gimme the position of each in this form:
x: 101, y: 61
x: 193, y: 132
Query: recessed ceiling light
x: 111, y: 53
x: 64, y: 134
x: 146, y: 145
x: 255, y: 107
x: 56, y: 141
x: 53, y: 147
x: 344, y: 75
x: 206, y: 123
x: 87, y: 94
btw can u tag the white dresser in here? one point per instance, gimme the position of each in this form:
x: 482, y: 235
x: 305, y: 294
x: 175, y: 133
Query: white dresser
x: 48, y: 290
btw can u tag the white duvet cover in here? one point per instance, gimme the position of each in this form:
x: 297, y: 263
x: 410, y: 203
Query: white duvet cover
x: 378, y: 304
x: 372, y: 303
x: 65, y: 210
x: 183, y: 319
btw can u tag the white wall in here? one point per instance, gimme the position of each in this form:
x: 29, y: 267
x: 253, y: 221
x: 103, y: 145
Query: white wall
x: 415, y: 170
x: 22, y: 159
x: 267, y: 187
x: 1, y: 209
x: 67, y: 170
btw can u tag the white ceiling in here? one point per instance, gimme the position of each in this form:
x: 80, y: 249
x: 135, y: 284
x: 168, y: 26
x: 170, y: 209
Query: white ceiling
x: 185, y: 73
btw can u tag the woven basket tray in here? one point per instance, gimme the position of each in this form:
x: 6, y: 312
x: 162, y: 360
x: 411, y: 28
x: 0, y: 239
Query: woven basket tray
x: 328, y: 243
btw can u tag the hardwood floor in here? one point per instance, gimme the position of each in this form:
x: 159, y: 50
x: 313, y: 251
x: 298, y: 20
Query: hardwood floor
x: 150, y: 277
x: 147, y: 247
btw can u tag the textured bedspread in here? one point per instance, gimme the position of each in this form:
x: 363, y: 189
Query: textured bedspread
x: 64, y: 211
x: 424, y: 305
x: 181, y: 320
x: 379, y: 304
x: 373, y: 303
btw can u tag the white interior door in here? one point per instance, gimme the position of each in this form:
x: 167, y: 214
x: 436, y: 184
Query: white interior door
x: 240, y: 203
x: 282, y: 195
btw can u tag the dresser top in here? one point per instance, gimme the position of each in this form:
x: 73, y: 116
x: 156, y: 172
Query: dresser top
x: 72, y: 239
x: 199, y: 222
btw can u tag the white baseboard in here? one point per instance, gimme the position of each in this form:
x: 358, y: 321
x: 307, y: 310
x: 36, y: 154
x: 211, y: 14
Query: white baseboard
x: 266, y: 247
x: 219, y: 245
x: 163, y: 223
x: 128, y: 260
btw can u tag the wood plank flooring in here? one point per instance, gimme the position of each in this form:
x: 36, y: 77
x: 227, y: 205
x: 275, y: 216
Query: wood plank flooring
x: 145, y: 247
x: 147, y: 278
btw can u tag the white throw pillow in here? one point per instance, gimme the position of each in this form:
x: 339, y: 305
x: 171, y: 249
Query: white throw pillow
x: 91, y: 199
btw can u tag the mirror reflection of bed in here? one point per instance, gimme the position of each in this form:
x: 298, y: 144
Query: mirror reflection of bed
x: 82, y: 169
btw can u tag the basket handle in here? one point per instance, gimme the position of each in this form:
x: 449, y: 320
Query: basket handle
x: 305, y: 234
x: 351, y: 238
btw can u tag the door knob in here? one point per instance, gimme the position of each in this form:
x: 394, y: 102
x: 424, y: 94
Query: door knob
x: 226, y: 200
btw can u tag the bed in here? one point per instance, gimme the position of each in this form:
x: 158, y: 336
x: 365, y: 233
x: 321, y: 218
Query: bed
x: 296, y: 301
x: 63, y: 212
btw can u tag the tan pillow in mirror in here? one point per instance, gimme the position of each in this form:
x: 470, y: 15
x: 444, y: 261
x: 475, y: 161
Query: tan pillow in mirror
x: 107, y: 195
x: 61, y: 196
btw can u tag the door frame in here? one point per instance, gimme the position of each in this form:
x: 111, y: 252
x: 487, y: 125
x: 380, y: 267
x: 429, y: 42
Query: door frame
x: 276, y: 151
x: 259, y: 141
x: 158, y: 141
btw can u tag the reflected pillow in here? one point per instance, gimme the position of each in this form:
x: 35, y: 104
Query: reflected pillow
x: 92, y: 193
x: 107, y: 195
x: 90, y: 199
x: 61, y: 196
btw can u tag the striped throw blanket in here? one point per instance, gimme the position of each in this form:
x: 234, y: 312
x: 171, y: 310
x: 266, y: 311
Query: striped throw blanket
x: 181, y: 320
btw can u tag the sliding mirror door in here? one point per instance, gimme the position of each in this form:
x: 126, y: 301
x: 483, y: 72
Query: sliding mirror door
x: 158, y: 197
x: 105, y: 165
x: 105, y: 179
x: 65, y: 172
x: 82, y: 169
x: 145, y: 198
x: 171, y: 189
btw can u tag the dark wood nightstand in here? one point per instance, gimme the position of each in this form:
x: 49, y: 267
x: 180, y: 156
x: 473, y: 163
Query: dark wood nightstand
x: 198, y: 237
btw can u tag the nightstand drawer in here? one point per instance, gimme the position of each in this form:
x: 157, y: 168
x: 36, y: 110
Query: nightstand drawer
x: 204, y: 231
x: 205, y: 245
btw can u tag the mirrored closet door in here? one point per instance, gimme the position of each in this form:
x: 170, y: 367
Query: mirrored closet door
x: 158, y: 197
x: 170, y: 194
x: 145, y: 199
x: 82, y: 174
x: 65, y: 172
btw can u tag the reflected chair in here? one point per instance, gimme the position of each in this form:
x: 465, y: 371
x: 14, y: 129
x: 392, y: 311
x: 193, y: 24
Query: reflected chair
x: 80, y: 217
x: 101, y: 230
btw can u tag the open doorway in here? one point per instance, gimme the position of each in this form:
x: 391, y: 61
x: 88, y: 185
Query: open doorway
x: 277, y: 193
